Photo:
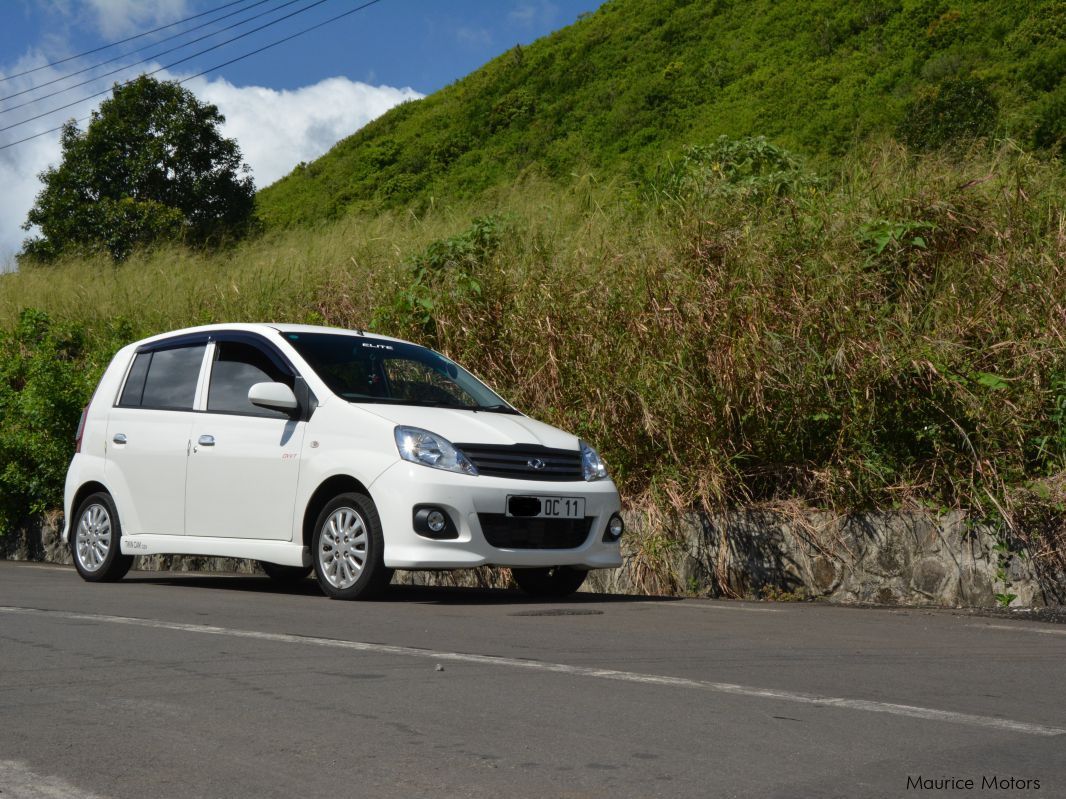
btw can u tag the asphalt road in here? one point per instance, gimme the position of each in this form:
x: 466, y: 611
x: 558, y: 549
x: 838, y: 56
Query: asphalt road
x: 218, y: 686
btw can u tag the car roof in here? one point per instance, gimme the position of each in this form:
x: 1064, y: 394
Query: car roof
x: 265, y: 328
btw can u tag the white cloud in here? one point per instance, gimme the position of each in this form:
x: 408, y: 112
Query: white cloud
x: 118, y: 18
x: 20, y: 164
x: 525, y: 14
x: 475, y: 37
x: 276, y: 130
x: 18, y: 176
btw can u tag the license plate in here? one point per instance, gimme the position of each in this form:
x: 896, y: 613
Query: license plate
x: 546, y: 507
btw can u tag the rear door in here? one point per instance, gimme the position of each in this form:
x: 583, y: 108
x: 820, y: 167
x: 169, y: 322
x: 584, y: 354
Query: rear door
x: 148, y: 436
x: 244, y: 462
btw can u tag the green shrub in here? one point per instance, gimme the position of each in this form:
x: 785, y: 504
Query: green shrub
x: 749, y: 168
x: 958, y: 110
x: 450, y: 265
x: 47, y: 373
x: 511, y: 108
x: 1050, y: 130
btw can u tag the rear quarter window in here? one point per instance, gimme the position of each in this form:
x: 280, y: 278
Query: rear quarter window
x: 134, y: 388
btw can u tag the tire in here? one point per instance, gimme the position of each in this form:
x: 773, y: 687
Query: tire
x: 285, y: 575
x: 94, y: 540
x: 349, y: 523
x: 553, y: 582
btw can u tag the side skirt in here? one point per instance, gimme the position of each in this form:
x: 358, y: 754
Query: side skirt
x: 284, y: 553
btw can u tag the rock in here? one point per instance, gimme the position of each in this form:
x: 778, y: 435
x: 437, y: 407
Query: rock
x: 929, y: 576
x: 824, y: 574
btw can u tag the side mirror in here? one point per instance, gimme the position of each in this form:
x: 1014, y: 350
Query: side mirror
x: 276, y: 396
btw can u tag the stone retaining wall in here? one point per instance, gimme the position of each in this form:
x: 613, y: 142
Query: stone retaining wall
x: 894, y: 558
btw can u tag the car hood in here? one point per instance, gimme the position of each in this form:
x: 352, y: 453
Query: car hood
x: 475, y: 427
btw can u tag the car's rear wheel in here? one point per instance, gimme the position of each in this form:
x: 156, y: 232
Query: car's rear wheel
x: 553, y: 582
x: 285, y: 575
x: 94, y: 540
x: 348, y: 549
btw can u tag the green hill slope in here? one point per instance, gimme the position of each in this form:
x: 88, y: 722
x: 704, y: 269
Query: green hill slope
x: 622, y: 88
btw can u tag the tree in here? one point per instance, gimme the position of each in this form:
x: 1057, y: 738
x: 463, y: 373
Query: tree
x: 151, y: 166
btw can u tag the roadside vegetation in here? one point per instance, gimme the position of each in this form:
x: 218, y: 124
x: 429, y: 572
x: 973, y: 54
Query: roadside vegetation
x: 863, y: 306
x: 736, y: 330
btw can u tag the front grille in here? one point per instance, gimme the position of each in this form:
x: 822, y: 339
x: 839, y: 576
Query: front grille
x: 518, y: 461
x: 508, y: 532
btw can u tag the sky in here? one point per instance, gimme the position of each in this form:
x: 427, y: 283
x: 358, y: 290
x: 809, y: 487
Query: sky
x: 288, y: 104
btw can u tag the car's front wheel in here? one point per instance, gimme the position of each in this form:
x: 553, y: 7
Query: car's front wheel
x: 552, y: 582
x: 94, y: 540
x: 348, y: 549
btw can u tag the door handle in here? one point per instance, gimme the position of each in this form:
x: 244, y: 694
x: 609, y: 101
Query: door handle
x: 119, y: 438
x: 206, y: 441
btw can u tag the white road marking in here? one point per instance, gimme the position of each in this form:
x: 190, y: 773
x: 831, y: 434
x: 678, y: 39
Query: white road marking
x: 912, y: 711
x: 1018, y: 628
x: 17, y: 781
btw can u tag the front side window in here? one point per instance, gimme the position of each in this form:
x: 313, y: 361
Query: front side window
x: 171, y: 378
x: 362, y: 369
x: 236, y: 368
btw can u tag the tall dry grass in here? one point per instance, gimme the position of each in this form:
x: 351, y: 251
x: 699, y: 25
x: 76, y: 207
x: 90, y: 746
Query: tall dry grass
x: 893, y: 333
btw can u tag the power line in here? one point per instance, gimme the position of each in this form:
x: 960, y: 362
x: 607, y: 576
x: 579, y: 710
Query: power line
x: 131, y: 52
x: 167, y: 66
x: 210, y: 69
x: 281, y: 41
x: 143, y: 60
x: 120, y: 41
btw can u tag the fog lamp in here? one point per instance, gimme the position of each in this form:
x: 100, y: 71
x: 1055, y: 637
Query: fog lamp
x: 615, y: 528
x: 435, y: 521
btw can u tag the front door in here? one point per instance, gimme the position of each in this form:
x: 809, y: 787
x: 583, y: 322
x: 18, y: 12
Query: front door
x: 244, y: 461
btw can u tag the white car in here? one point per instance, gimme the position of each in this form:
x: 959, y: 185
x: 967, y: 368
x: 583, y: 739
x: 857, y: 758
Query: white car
x: 311, y: 447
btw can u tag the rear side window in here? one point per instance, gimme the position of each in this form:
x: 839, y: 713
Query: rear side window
x: 236, y: 369
x: 171, y: 380
x: 134, y: 388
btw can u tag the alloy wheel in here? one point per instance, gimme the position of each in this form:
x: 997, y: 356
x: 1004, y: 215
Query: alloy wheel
x: 342, y: 547
x: 93, y: 539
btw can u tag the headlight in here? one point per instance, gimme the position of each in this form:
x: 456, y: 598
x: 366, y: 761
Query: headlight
x: 592, y: 468
x: 421, y: 446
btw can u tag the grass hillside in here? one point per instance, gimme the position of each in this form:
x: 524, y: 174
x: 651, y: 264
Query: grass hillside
x: 615, y: 92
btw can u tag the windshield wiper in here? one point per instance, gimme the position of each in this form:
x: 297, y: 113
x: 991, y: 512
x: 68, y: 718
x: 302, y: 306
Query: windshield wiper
x: 426, y: 403
x: 498, y: 408
x: 429, y: 403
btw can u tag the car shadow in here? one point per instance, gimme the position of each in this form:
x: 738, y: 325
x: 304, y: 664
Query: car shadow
x: 412, y: 594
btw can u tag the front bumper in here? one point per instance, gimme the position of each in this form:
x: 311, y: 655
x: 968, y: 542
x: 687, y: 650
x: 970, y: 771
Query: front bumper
x: 404, y: 485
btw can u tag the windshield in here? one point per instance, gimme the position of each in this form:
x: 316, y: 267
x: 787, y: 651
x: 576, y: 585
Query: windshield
x: 362, y: 369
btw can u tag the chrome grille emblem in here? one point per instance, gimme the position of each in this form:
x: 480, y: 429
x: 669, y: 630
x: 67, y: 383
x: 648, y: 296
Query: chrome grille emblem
x: 535, y: 463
